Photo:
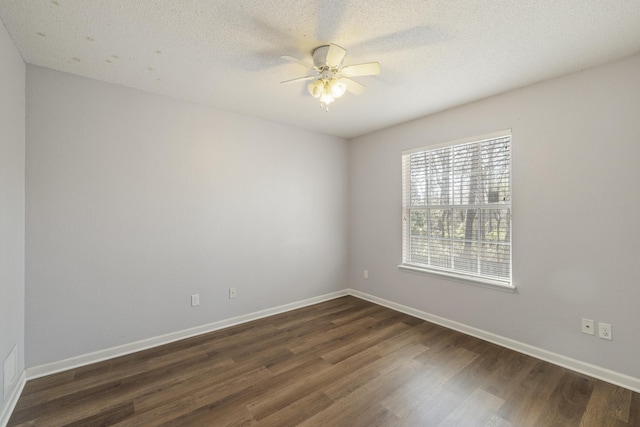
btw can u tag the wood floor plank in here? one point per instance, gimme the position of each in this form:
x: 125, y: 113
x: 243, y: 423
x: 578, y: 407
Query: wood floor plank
x: 515, y: 367
x: 351, y: 381
x: 634, y: 410
x: 608, y: 406
x: 336, y: 334
x: 531, y: 397
x: 48, y: 382
x: 107, y: 416
x: 374, y: 417
x: 131, y: 387
x: 344, y: 362
x: 431, y: 407
x: 69, y: 390
x: 569, y: 400
x: 221, y: 409
x: 413, y: 335
x: 318, y: 380
x: 478, y: 372
x: 498, y: 421
x: 475, y: 411
x: 354, y: 315
x: 298, y: 411
x: 189, y: 402
x: 76, y: 408
x: 413, y: 393
x: 362, y: 343
x: 358, y: 403
x: 324, y: 312
x: 425, y: 390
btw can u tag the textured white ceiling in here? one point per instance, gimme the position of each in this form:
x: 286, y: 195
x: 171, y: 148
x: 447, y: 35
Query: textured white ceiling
x: 434, y: 54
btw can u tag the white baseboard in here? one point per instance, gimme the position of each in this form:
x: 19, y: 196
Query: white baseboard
x: 12, y: 400
x: 110, y: 353
x: 598, y: 372
x: 604, y: 374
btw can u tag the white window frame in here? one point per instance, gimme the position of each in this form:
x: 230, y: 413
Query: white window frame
x: 475, y: 278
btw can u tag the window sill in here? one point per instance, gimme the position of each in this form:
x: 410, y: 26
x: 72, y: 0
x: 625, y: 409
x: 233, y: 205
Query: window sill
x: 484, y: 283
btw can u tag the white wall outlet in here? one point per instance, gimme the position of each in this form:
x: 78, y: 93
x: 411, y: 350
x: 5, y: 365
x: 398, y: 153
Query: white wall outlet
x: 588, y: 327
x: 195, y: 300
x: 604, y: 331
x: 232, y: 293
x: 365, y: 274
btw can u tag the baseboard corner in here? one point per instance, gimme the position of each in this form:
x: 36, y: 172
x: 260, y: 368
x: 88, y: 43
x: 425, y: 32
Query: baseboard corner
x: 10, y: 403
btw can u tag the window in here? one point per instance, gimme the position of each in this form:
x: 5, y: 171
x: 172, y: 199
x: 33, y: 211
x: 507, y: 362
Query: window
x: 457, y: 209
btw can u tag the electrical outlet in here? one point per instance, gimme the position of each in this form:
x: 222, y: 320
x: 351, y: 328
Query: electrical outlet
x: 232, y: 293
x: 365, y: 274
x: 195, y: 300
x: 588, y: 327
x: 604, y: 331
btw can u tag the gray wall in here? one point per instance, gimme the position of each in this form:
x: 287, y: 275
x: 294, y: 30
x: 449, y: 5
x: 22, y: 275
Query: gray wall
x: 12, y: 148
x: 576, y: 204
x: 136, y: 201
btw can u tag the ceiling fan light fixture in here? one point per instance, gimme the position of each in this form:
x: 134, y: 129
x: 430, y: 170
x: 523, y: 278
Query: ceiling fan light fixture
x: 326, y: 98
x: 316, y: 88
x: 332, y: 79
x: 337, y: 87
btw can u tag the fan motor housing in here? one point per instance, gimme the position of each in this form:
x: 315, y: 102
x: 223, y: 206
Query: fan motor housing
x: 319, y: 55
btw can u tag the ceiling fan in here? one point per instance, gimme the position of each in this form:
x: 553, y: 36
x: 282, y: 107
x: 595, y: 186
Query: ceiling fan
x: 331, y: 79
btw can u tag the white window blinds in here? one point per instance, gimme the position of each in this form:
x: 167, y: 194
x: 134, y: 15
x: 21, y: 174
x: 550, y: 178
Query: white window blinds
x: 457, y: 208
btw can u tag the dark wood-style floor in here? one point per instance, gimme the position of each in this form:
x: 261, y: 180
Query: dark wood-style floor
x: 345, y: 362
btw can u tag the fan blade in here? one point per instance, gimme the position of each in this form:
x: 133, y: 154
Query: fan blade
x: 368, y: 69
x: 299, y: 79
x: 335, y: 55
x: 352, y: 86
x: 297, y: 61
